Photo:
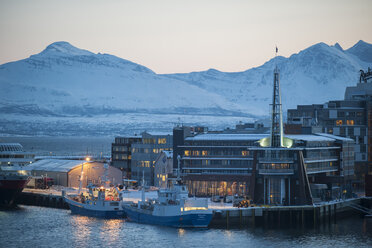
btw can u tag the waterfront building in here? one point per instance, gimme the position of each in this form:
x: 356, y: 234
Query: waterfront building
x: 67, y: 173
x: 229, y: 164
x: 163, y: 169
x: 145, y: 152
x: 121, y: 153
x: 351, y: 118
x: 267, y: 168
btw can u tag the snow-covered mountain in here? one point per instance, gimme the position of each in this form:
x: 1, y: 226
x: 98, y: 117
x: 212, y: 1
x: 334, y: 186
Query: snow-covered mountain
x: 65, y: 81
x: 315, y: 75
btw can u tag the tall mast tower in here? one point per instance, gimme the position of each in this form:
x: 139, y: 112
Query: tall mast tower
x: 276, y: 138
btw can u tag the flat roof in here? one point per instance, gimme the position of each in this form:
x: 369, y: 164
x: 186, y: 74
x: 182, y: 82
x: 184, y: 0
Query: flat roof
x: 334, y: 137
x: 227, y: 136
x: 255, y: 137
x: 57, y: 165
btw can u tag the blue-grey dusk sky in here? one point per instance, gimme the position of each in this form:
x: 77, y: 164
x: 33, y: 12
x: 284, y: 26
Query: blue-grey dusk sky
x: 182, y: 36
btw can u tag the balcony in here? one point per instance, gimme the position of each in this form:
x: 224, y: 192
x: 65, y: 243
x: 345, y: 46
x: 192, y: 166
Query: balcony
x: 320, y: 169
x: 321, y: 159
x: 282, y: 160
x: 276, y: 169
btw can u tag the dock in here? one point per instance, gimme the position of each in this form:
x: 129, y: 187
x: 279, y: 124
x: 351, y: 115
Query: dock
x: 226, y: 216
x: 292, y: 216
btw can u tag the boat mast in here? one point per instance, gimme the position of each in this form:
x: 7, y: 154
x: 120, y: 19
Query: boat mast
x: 82, y: 174
x: 143, y: 187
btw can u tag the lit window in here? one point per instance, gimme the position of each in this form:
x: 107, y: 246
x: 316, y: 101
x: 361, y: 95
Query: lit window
x: 187, y: 153
x: 204, y: 153
x: 162, y: 141
x: 163, y: 178
x: 244, y: 153
x: 338, y: 122
x: 350, y: 122
x: 195, y: 153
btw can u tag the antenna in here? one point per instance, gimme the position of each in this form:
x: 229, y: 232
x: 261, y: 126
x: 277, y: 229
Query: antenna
x: 276, y: 139
x: 276, y: 50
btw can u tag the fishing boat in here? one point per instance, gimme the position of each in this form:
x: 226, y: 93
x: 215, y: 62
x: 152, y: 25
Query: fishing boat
x: 103, y: 201
x: 97, y: 202
x: 172, y: 207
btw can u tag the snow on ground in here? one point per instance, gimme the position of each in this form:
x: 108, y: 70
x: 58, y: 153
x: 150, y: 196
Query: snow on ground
x: 112, y: 125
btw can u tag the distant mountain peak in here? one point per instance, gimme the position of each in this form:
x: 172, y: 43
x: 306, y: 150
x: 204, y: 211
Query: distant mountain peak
x: 65, y: 48
x: 338, y: 46
x: 362, y: 50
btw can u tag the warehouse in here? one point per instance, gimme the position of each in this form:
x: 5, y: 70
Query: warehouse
x: 67, y: 172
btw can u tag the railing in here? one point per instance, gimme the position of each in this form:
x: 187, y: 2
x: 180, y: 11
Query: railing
x: 281, y: 160
x: 317, y: 169
x: 275, y: 170
x: 320, y: 158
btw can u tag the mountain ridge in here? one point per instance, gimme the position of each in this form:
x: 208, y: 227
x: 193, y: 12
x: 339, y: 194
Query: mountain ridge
x: 63, y: 80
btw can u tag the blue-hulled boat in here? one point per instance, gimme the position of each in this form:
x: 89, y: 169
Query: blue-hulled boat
x: 173, y: 208
x: 98, y: 202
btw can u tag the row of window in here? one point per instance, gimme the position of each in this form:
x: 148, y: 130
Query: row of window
x: 199, y: 171
x: 149, y: 150
x: 122, y: 157
x: 147, y: 164
x: 197, y: 153
x: 347, y: 122
x: 155, y: 141
x: 275, y: 166
x: 209, y: 162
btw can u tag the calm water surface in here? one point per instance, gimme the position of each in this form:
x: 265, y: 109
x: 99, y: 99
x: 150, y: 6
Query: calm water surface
x: 47, y: 227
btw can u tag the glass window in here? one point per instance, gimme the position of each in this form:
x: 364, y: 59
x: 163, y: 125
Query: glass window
x: 350, y: 122
x: 338, y: 122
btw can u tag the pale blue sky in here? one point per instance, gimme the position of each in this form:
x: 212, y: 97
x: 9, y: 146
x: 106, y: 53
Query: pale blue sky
x: 182, y: 36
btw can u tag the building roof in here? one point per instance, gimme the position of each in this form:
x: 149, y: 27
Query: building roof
x: 335, y: 137
x: 255, y: 137
x: 309, y: 137
x: 227, y: 137
x: 57, y: 165
x: 169, y: 154
x: 154, y: 133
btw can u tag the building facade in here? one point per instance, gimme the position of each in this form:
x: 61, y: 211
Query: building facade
x: 121, y: 154
x: 229, y: 164
x: 163, y: 169
x: 351, y: 118
x: 145, y: 152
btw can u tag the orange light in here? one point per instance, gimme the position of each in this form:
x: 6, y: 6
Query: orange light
x: 87, y: 159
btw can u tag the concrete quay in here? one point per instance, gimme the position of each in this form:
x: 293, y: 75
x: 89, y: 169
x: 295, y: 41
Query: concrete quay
x: 226, y: 216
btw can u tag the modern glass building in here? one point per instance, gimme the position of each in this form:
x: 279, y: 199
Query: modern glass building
x: 229, y: 164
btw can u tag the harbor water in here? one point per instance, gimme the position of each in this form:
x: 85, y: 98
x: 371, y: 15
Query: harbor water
x: 47, y: 227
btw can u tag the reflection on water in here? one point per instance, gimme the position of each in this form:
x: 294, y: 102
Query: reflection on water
x: 81, y: 225
x: 181, y: 232
x: 110, y: 231
x: 47, y: 227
